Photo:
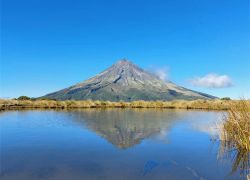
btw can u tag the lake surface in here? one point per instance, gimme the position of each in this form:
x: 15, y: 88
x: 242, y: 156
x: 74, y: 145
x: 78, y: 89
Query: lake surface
x: 111, y: 144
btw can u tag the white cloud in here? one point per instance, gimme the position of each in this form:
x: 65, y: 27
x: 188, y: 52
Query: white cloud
x: 212, y: 81
x: 162, y: 73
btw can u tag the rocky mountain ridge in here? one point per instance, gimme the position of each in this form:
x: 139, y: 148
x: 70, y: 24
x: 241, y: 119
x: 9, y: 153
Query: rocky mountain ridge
x: 124, y: 81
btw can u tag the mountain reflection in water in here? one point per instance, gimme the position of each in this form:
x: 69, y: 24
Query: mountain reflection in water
x: 111, y: 144
x: 126, y: 128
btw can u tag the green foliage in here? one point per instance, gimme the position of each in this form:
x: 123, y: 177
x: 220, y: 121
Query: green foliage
x: 226, y: 98
x: 48, y: 99
x: 23, y: 98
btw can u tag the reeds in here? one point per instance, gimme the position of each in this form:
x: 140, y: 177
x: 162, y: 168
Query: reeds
x: 236, y: 128
x: 235, y: 136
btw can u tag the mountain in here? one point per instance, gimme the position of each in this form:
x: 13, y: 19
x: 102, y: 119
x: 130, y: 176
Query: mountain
x: 124, y: 81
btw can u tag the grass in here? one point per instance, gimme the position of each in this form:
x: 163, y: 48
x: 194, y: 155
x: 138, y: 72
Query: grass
x: 235, y: 135
x: 177, y: 104
x: 236, y: 128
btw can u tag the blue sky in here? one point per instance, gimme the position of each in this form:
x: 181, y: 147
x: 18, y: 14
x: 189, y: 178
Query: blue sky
x: 47, y: 45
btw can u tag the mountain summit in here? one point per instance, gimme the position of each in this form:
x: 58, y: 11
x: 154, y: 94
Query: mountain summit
x: 124, y: 81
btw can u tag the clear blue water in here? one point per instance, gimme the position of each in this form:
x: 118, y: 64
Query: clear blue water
x: 111, y: 144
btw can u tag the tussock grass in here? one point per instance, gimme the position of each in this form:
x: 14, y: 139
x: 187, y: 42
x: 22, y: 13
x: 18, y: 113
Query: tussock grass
x: 235, y: 136
x: 177, y: 104
x: 236, y: 128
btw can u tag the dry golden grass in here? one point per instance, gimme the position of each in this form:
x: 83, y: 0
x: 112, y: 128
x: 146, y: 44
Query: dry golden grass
x: 236, y: 128
x: 177, y: 104
x: 235, y: 136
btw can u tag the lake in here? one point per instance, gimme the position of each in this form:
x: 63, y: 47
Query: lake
x: 112, y: 144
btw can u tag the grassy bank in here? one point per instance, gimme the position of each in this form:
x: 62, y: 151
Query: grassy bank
x: 235, y: 136
x: 69, y: 104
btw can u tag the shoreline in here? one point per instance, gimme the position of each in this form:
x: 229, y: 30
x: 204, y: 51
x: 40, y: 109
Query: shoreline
x: 72, y: 104
x: 17, y: 108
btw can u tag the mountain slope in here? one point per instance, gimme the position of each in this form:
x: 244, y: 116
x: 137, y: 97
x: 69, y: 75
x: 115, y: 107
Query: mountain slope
x: 127, y: 82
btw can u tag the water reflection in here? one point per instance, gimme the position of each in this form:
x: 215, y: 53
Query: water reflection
x: 126, y: 128
x: 240, y: 159
x: 110, y: 144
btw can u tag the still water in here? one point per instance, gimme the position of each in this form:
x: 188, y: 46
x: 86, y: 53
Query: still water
x: 112, y: 144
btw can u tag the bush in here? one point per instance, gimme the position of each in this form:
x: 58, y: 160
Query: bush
x: 23, y: 98
x: 226, y: 98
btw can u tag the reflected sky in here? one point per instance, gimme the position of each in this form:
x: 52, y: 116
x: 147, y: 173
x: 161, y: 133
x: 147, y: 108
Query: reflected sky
x: 111, y: 144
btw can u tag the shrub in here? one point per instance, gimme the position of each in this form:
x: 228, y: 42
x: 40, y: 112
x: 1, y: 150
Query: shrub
x: 226, y: 98
x: 23, y: 98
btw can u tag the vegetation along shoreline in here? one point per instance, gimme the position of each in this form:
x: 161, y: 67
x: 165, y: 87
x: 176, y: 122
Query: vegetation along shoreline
x: 16, y: 104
